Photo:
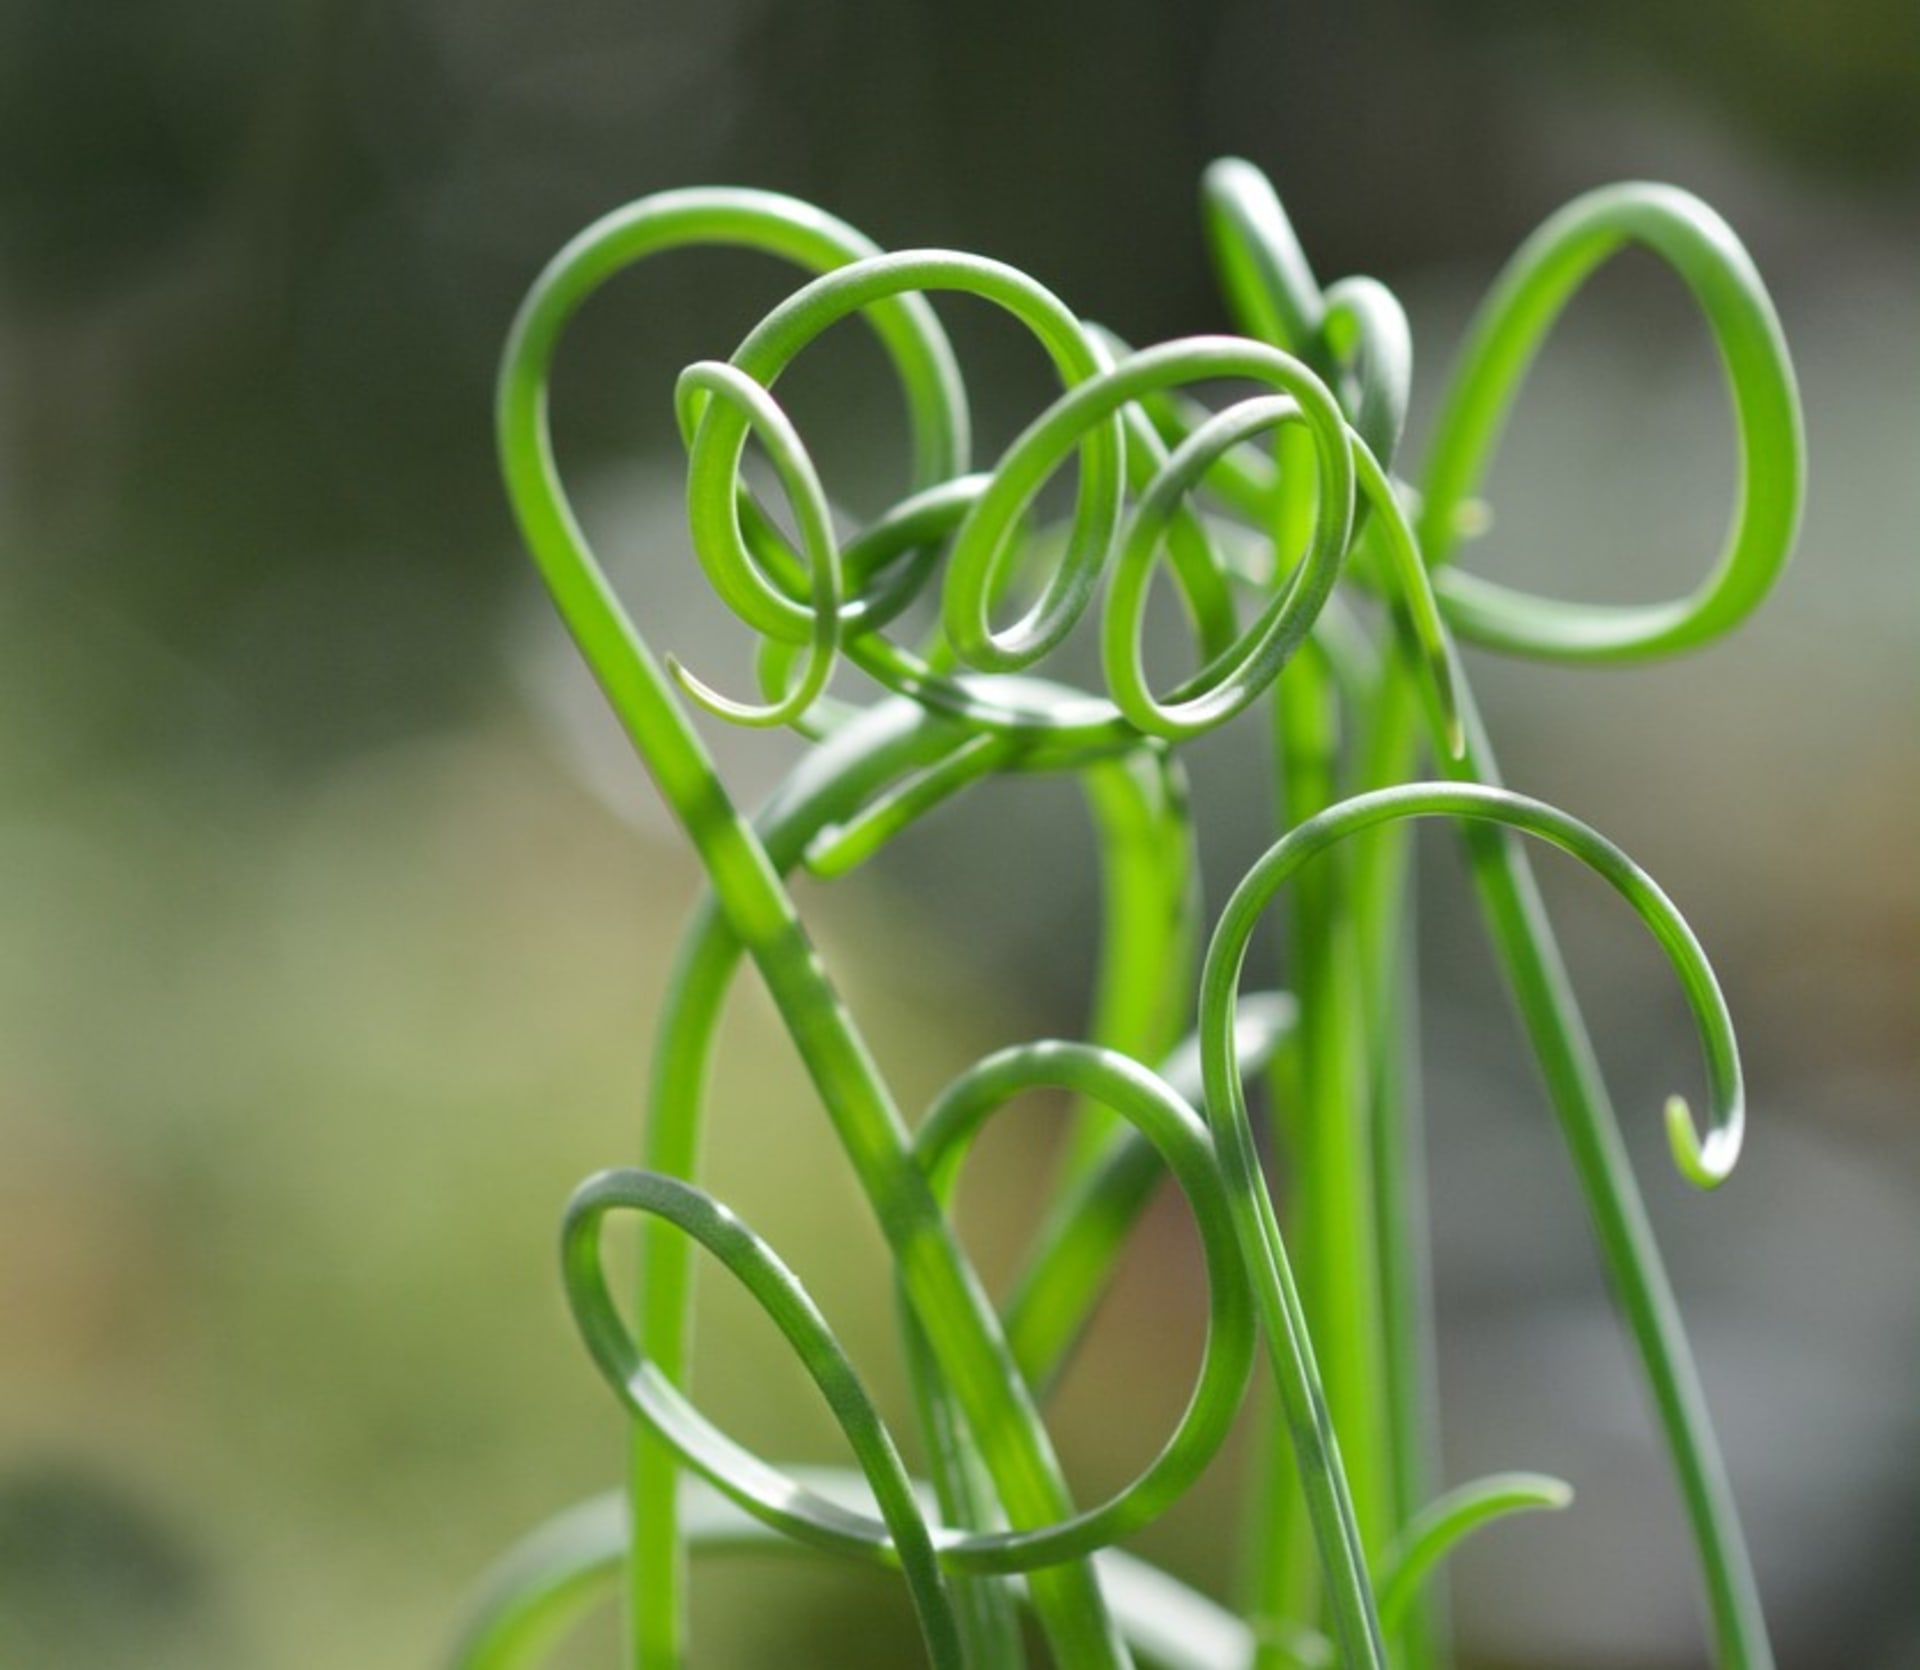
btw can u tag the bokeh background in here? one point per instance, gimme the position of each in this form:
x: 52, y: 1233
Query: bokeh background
x: 332, y: 919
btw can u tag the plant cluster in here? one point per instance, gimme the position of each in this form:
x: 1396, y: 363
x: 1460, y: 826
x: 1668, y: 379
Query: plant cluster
x: 1316, y: 575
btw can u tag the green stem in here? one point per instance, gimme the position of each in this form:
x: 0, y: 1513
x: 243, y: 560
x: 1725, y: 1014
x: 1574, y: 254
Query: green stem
x: 1512, y: 325
x: 1149, y: 927
x: 884, y: 748
x: 1386, y: 933
x: 936, y: 1276
x: 1334, y: 1189
x: 1530, y: 958
x: 1334, y: 370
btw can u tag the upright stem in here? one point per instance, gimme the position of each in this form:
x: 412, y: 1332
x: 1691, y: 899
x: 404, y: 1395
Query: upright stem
x: 883, y: 748
x: 1149, y: 926
x: 1331, y: 1191
x: 1529, y: 955
x: 1384, y: 915
x: 936, y: 1276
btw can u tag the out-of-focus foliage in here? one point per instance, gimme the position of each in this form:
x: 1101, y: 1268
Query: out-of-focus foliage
x: 1829, y: 85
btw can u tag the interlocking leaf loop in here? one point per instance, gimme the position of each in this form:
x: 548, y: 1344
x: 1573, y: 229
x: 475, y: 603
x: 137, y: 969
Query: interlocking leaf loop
x: 1278, y: 512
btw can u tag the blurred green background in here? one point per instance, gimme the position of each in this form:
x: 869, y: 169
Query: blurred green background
x: 332, y: 918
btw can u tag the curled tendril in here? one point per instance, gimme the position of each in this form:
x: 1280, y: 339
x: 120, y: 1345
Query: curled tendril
x: 763, y: 1491
x: 1513, y: 322
x: 795, y: 469
x: 1086, y: 420
x: 1258, y: 509
x: 1148, y: 1104
x: 1235, y: 679
x: 1705, y: 1161
x: 1125, y: 619
x: 790, y: 602
x: 1122, y: 1086
x: 715, y: 446
x: 784, y: 332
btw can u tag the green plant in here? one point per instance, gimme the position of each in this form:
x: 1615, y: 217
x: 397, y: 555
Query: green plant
x: 1274, y: 512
